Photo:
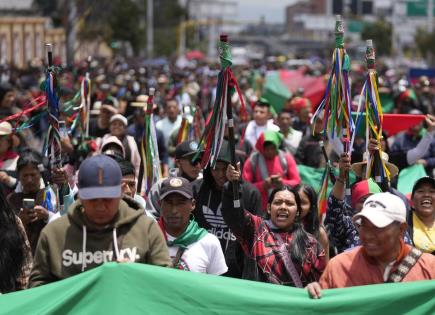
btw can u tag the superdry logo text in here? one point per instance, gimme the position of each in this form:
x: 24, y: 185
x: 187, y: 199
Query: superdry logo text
x: 98, y: 257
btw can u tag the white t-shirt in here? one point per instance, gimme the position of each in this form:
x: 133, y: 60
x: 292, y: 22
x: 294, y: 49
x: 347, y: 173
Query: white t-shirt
x: 167, y: 127
x: 204, y: 256
x: 253, y: 131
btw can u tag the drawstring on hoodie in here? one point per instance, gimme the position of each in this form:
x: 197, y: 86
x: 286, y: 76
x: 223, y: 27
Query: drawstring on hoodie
x: 84, y: 248
x: 115, y: 245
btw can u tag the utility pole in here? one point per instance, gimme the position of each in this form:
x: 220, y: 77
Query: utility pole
x: 150, y: 29
x: 429, y: 16
x: 71, y: 34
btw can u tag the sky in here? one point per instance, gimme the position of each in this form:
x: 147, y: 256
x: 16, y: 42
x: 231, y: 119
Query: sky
x: 272, y: 10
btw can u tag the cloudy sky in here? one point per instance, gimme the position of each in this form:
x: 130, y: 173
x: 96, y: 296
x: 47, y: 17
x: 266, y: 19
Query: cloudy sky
x: 272, y: 10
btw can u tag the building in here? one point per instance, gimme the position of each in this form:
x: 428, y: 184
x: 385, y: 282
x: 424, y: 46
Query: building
x: 22, y: 40
x: 314, y: 19
x: 23, y: 34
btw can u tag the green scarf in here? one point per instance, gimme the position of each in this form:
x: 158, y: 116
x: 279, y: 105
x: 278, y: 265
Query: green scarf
x: 192, y: 234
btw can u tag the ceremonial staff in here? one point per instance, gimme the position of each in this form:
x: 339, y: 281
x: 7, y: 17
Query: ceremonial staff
x: 372, y: 112
x: 52, y: 147
x: 211, y: 140
x: 149, y: 172
x: 335, y: 107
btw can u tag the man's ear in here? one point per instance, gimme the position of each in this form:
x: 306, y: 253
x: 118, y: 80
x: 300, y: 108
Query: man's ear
x: 403, y: 228
x: 193, y: 204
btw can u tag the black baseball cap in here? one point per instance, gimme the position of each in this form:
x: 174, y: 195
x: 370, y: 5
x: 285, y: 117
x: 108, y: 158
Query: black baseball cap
x: 186, y: 149
x: 99, y: 177
x: 421, y: 181
x: 176, y: 185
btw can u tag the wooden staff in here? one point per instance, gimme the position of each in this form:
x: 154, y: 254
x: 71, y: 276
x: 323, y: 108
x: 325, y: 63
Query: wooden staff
x: 231, y: 138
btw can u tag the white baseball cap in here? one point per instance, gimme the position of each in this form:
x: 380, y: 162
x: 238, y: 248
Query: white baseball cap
x: 382, y: 209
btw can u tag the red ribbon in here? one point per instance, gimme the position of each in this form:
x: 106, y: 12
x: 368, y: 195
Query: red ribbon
x: 40, y: 101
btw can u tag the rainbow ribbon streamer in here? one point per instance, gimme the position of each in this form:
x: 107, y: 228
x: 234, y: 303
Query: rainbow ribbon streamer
x: 150, y: 164
x: 212, y: 138
x: 335, y: 107
x: 188, y: 130
x: 49, y: 199
x: 52, y: 146
x: 322, y: 199
x: 85, y: 94
x: 373, y: 118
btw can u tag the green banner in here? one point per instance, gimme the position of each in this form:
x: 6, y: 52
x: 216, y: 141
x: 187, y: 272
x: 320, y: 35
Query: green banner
x: 142, y: 289
x: 275, y: 91
x: 313, y: 176
x: 408, y: 176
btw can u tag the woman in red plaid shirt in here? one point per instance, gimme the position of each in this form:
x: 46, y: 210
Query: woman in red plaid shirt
x: 278, y: 249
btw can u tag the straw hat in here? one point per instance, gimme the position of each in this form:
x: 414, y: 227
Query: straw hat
x: 6, y: 129
x: 141, y: 101
x: 358, y: 167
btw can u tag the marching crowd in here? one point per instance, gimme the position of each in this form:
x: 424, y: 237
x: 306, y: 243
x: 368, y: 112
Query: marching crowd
x: 189, y: 220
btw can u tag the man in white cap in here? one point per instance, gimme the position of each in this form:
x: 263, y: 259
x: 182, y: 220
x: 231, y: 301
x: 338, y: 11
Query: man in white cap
x: 383, y: 255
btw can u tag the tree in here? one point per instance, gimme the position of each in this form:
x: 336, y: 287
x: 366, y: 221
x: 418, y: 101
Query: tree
x: 380, y: 32
x: 115, y: 21
x: 425, y: 43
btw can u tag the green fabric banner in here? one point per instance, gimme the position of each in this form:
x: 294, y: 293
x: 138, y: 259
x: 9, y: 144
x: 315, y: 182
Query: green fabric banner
x: 408, y: 176
x: 142, y: 289
x: 313, y: 177
x: 275, y: 91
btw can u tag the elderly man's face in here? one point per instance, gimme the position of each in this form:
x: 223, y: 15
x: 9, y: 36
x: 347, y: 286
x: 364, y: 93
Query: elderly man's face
x: 381, y: 243
x: 101, y: 211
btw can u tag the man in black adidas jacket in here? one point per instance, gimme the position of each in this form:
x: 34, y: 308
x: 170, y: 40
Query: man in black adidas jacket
x: 207, y: 192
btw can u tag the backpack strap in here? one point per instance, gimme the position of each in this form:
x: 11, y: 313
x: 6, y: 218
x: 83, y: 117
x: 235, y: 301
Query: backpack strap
x: 258, y: 160
x: 254, y: 163
x: 405, y: 265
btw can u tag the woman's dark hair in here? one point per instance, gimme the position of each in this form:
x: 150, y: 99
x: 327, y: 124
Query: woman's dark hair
x: 30, y: 157
x: 12, y: 256
x: 300, y: 238
x: 311, y: 221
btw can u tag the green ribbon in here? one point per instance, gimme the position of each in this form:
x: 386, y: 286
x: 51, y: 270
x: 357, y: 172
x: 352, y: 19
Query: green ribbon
x: 225, y: 55
x: 192, y: 234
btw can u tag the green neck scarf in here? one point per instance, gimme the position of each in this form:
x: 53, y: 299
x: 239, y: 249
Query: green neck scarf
x: 192, y: 234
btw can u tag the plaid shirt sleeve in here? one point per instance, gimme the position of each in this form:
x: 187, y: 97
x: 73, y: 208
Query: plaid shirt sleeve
x: 338, y: 222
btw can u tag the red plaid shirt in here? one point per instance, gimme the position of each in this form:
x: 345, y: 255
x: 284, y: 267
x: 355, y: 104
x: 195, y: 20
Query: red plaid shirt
x: 260, y: 242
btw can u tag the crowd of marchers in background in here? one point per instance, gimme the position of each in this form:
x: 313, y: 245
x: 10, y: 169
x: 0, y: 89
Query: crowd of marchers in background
x: 188, y: 219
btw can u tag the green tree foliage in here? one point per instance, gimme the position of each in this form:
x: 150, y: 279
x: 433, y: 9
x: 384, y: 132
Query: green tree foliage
x: 380, y: 33
x: 125, y: 24
x: 425, y: 42
x: 121, y: 21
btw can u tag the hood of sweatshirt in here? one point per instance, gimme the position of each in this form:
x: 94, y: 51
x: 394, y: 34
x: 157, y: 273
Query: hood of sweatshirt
x: 274, y: 137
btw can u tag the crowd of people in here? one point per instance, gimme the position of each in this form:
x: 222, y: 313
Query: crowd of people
x: 98, y: 211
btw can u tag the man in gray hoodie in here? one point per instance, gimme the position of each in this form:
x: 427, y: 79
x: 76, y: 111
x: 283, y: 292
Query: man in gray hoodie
x: 99, y: 228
